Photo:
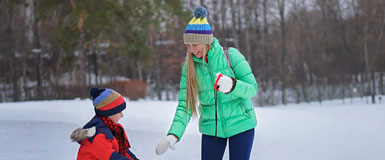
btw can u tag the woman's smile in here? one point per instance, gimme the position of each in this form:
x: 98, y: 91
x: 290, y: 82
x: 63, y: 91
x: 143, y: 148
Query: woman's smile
x: 197, y: 54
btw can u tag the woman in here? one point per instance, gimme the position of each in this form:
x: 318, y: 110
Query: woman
x: 224, y: 115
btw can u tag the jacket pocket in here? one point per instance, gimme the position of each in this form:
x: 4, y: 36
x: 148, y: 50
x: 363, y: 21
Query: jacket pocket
x: 244, y: 108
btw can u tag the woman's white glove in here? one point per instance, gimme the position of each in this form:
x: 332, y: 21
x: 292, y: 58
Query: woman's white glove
x: 168, y: 141
x: 224, y: 83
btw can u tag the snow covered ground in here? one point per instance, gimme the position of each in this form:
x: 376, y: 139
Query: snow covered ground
x: 331, y: 130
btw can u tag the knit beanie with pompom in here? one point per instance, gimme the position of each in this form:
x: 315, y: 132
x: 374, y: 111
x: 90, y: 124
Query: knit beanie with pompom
x: 198, y: 30
x: 107, y: 102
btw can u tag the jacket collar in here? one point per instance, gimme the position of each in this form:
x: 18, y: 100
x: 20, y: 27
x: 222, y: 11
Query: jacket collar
x: 100, y: 128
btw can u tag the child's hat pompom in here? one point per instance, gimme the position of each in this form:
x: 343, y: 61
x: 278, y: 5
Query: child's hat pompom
x: 94, y: 92
x: 200, y: 12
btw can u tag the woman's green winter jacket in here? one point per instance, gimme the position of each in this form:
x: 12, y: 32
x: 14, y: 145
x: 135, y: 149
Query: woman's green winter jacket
x: 235, y: 110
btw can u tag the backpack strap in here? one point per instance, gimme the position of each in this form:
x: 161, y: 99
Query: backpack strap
x: 227, y: 55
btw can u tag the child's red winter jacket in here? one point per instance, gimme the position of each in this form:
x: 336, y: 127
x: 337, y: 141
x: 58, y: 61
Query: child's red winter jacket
x: 102, y: 146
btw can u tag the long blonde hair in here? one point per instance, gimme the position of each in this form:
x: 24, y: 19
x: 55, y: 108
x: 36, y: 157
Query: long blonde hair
x: 192, y: 81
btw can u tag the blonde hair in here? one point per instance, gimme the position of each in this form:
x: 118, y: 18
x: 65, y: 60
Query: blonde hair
x: 192, y: 81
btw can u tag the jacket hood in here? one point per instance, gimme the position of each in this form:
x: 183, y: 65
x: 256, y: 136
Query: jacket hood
x: 80, y: 134
x: 94, y: 127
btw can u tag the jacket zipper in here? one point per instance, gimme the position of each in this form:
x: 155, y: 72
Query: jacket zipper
x: 221, y: 111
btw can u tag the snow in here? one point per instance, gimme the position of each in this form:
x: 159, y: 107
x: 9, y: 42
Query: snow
x: 332, y: 130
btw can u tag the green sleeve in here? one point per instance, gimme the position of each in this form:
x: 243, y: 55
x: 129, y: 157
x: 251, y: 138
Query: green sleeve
x: 246, y: 85
x: 181, y: 117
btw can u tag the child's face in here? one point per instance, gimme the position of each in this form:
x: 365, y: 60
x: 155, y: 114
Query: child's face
x: 115, y: 118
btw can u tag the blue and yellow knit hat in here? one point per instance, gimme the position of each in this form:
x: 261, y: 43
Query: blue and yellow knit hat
x: 107, y: 102
x: 198, y: 30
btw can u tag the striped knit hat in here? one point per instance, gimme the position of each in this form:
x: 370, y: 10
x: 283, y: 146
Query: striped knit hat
x: 107, y: 102
x: 198, y: 30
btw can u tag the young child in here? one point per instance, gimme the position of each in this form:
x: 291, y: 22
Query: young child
x: 103, y: 137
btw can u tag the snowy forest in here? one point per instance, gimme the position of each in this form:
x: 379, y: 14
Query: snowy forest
x: 299, y: 50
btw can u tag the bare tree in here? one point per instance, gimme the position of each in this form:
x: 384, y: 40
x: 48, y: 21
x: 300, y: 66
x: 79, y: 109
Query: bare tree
x: 283, y: 65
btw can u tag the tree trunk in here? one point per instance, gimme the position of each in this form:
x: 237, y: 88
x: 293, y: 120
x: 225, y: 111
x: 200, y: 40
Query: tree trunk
x: 283, y: 73
x: 158, y: 74
x: 381, y: 86
x: 249, y: 25
x: 167, y: 90
x: 223, y: 19
x: 15, y: 82
x: 343, y: 93
x: 10, y: 52
x: 373, y: 95
x: 351, y: 92
x: 305, y: 93
x: 319, y: 91
x: 234, y: 24
x: 37, y: 51
x: 89, y: 67
x: 362, y: 84
x: 297, y: 90
x: 202, y: 3
x: 95, y: 59
x: 371, y: 90
x: 274, y: 85
x: 265, y: 35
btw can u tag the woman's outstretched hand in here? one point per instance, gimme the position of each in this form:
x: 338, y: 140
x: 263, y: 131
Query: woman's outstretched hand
x: 224, y: 83
x: 167, y: 142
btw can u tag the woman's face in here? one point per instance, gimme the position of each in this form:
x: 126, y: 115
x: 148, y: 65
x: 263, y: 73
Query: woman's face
x: 115, y: 118
x: 196, y: 49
